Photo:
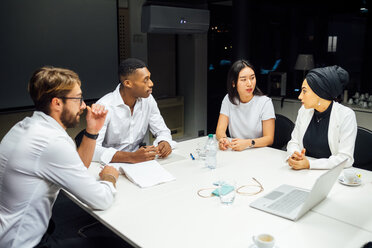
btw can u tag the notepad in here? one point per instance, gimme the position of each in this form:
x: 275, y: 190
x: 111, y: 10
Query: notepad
x: 145, y: 174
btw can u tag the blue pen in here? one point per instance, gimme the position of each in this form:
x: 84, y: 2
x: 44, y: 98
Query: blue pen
x: 192, y: 157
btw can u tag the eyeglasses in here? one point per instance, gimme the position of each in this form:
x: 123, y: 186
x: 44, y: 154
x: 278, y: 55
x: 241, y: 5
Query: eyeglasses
x: 250, y: 189
x: 77, y: 98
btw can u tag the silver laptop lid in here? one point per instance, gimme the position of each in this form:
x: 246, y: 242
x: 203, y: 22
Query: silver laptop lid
x: 319, y: 191
x: 321, y: 188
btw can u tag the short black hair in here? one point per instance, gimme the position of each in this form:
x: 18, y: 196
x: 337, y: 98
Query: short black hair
x: 128, y: 66
x: 232, y: 79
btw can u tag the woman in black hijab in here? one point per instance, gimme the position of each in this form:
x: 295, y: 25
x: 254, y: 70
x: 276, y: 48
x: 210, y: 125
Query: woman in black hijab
x: 324, y: 130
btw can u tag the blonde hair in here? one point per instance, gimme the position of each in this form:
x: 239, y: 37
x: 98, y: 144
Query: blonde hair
x: 48, y: 82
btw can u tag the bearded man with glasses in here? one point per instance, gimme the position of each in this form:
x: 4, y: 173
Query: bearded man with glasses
x: 38, y: 158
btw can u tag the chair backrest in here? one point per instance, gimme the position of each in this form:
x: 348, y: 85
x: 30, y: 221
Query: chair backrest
x: 283, y: 131
x: 79, y: 138
x: 363, y: 151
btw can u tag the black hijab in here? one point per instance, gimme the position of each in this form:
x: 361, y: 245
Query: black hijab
x: 328, y: 82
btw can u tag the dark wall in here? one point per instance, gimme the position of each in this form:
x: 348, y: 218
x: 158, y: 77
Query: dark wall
x: 75, y: 34
x: 284, y: 29
x: 220, y: 47
x: 263, y: 31
x: 161, y: 51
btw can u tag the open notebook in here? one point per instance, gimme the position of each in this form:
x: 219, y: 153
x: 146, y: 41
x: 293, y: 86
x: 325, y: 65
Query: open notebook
x: 145, y: 174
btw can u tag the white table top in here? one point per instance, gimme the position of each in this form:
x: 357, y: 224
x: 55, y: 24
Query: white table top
x: 173, y: 215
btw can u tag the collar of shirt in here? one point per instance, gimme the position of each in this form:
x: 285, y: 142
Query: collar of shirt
x: 118, y: 100
x: 49, y: 119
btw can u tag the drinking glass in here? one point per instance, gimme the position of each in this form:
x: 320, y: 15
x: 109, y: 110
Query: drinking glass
x: 200, y: 150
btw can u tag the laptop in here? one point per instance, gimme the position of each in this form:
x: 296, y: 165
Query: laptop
x: 291, y: 202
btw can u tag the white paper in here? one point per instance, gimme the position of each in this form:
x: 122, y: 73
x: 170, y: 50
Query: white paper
x: 145, y: 174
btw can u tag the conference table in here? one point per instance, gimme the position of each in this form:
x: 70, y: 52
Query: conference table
x: 172, y: 214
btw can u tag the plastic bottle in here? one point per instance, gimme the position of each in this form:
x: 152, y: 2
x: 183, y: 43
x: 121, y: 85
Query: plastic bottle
x: 211, y: 152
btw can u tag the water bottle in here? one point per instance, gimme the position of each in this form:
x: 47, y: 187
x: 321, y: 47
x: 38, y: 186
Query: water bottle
x: 211, y: 152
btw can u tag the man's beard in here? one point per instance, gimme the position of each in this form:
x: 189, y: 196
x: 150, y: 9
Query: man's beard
x: 68, y: 119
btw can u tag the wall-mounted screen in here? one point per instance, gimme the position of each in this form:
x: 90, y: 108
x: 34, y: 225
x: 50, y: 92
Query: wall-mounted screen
x: 79, y: 35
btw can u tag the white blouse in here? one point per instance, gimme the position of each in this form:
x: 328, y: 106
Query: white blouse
x: 245, y: 119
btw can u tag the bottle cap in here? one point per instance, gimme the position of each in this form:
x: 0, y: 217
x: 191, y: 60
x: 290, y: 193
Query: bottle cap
x: 210, y: 135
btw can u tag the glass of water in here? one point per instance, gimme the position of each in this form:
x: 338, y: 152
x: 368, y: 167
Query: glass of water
x: 200, y: 150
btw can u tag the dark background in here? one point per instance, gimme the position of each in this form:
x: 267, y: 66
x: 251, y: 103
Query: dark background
x: 75, y: 34
x: 83, y: 37
x: 264, y: 31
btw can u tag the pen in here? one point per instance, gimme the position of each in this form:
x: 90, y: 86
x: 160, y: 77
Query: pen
x: 192, y: 157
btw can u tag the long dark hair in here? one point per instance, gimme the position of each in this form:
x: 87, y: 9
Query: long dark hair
x: 232, y: 78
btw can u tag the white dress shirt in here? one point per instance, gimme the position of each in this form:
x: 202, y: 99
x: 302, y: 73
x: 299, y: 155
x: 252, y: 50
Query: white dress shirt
x: 245, y: 119
x: 123, y: 131
x: 342, y: 133
x: 37, y: 159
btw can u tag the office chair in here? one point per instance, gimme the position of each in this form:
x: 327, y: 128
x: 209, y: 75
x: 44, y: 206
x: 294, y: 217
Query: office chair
x: 79, y: 138
x: 283, y: 131
x: 362, y: 152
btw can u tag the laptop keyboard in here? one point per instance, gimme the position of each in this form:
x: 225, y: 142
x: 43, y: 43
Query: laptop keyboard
x: 290, y: 201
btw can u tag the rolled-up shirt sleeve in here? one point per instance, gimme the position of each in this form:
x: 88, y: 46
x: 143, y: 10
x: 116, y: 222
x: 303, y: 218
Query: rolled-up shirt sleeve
x: 65, y: 168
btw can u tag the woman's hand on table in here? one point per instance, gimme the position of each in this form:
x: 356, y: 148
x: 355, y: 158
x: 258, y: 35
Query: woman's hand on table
x: 240, y: 144
x: 223, y: 143
x: 298, y: 161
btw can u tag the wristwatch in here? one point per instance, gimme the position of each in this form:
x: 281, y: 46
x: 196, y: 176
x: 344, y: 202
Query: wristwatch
x: 252, y: 143
x: 90, y: 136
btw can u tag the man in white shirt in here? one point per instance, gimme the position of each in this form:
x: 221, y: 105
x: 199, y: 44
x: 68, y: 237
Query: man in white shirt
x: 132, y: 111
x: 38, y: 158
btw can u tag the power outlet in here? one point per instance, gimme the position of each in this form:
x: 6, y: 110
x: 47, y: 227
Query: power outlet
x: 200, y: 133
